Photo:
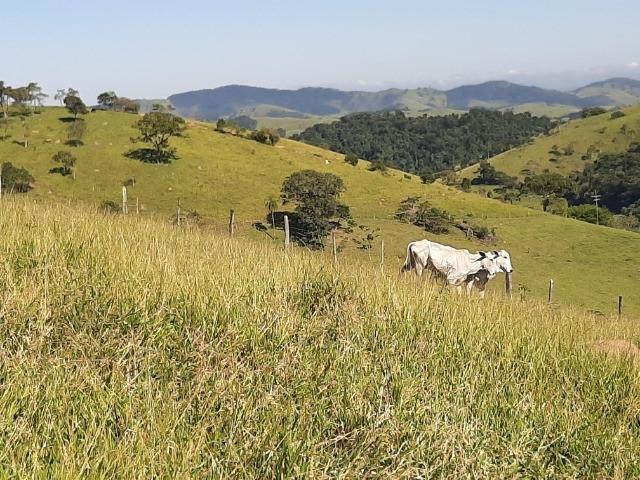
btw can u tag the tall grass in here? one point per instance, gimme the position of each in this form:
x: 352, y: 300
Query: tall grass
x: 135, y: 349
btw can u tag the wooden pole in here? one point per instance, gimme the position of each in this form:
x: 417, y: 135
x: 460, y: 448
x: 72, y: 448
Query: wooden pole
x: 137, y: 206
x: 124, y: 200
x: 509, y: 284
x: 335, y: 248
x: 550, y: 291
x: 0, y: 180
x: 382, y: 255
x: 620, y: 306
x: 178, y: 214
x: 287, y: 238
x: 232, y: 222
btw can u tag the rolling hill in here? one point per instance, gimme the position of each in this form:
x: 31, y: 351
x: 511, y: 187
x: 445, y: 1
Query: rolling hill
x: 296, y: 109
x: 618, y: 91
x: 601, y: 133
x: 217, y: 172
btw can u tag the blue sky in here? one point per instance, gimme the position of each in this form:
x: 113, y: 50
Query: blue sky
x: 142, y: 48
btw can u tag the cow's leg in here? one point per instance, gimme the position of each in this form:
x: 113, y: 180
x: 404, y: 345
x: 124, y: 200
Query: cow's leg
x: 470, y: 286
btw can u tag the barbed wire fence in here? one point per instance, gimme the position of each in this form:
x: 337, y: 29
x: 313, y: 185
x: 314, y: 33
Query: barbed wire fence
x: 340, y: 242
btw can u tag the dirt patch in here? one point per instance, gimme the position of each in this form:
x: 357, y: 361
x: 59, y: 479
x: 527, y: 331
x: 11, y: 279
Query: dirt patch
x: 619, y: 349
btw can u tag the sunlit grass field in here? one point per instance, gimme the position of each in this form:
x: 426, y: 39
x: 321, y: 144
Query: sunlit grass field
x: 216, y: 172
x: 136, y: 349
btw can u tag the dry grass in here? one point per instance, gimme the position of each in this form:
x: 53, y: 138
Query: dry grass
x: 135, y: 349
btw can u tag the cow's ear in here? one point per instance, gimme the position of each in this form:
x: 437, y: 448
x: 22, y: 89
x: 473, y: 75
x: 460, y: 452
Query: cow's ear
x: 495, y: 252
x: 483, y: 254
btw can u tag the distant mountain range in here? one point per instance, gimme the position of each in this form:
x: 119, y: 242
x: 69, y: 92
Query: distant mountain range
x: 311, y: 102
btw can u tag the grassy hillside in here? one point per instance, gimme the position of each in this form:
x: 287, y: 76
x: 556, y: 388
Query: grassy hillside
x: 600, y: 131
x: 216, y: 172
x: 135, y: 349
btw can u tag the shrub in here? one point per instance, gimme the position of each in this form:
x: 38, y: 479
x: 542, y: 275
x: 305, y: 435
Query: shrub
x: 378, y: 166
x: 617, y: 114
x: 593, y: 111
x: 265, y: 136
x: 109, y: 206
x: 351, y: 159
x: 15, y: 180
x: 587, y: 213
x: 424, y: 215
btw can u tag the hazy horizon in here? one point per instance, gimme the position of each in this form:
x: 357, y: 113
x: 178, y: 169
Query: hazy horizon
x: 153, y: 50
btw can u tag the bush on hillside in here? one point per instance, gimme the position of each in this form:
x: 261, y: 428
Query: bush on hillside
x: 318, y: 209
x: 66, y: 161
x: 422, y: 214
x: 14, y: 179
x: 378, y: 166
x: 587, y: 213
x: 351, y: 159
x: 265, y: 136
x: 617, y: 114
x: 593, y: 111
x: 489, y: 175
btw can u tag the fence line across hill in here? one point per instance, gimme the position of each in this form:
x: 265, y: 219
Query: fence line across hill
x: 234, y: 227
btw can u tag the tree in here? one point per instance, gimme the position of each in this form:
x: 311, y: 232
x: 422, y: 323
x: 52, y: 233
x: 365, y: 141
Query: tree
x: 4, y: 98
x: 15, y: 180
x: 378, y: 166
x: 271, y: 204
x: 424, y: 215
x: 266, y: 136
x: 60, y: 95
x: 220, y: 124
x: 489, y: 175
x: 67, y: 163
x: 126, y: 105
x: 156, y: 128
x: 465, y: 185
x: 75, y: 105
x: 162, y: 107
x: 20, y: 97
x: 351, y: 159
x: 35, y: 95
x: 548, y: 183
x: 589, y: 213
x: 107, y: 99
x: 318, y: 210
x: 593, y: 111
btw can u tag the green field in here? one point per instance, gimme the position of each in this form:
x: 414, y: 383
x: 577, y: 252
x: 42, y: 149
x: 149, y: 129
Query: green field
x: 217, y: 172
x: 135, y: 349
x: 600, y: 131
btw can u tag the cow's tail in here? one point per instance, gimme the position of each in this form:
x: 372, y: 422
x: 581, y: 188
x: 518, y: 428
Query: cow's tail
x: 410, y: 261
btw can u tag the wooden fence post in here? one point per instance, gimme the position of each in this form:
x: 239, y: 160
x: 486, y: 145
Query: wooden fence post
x: 232, y: 222
x: 178, y: 220
x: 137, y: 207
x: 620, y: 306
x: 509, y: 284
x: 382, y: 255
x: 550, y: 291
x: 0, y: 180
x: 287, y: 238
x: 125, y: 207
x: 335, y: 248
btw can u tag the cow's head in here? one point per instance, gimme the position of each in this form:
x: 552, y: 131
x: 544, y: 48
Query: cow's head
x: 496, y: 261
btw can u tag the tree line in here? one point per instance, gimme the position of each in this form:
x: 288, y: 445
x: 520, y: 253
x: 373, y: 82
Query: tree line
x: 615, y: 177
x: 427, y: 144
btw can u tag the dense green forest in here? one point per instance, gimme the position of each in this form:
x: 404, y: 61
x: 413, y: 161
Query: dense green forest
x: 616, y: 177
x: 427, y: 143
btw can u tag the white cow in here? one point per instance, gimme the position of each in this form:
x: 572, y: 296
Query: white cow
x: 457, y: 267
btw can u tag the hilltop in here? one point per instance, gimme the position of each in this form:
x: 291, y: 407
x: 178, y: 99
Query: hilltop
x: 216, y: 172
x: 571, y: 146
x: 295, y: 110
